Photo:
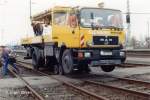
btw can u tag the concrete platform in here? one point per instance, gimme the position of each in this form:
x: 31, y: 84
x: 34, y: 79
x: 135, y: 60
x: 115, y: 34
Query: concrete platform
x: 34, y: 81
x: 138, y: 60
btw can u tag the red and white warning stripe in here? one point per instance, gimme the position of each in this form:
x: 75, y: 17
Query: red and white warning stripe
x: 82, y: 40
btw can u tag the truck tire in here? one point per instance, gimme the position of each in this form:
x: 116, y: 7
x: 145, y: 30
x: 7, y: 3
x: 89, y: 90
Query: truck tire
x: 58, y: 69
x: 108, y: 68
x: 67, y: 62
x: 35, y: 61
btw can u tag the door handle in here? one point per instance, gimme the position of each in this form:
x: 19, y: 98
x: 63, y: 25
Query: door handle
x: 73, y: 32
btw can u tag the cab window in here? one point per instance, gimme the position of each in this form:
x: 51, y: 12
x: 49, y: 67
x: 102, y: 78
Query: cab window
x: 60, y: 18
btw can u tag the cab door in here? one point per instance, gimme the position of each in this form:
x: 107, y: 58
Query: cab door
x: 65, y: 29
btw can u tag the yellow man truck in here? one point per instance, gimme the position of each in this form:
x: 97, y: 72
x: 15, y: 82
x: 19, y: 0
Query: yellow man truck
x: 69, y: 39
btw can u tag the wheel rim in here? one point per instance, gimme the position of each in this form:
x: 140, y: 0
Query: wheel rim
x: 107, y: 68
x: 67, y: 63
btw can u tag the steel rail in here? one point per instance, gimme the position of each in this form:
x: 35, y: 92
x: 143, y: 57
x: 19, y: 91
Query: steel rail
x: 39, y: 97
x: 79, y: 89
x: 133, y: 80
x: 130, y: 80
x: 75, y: 87
x: 109, y: 86
x: 145, y: 95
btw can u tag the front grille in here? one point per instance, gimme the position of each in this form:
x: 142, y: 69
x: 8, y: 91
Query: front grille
x: 105, y: 40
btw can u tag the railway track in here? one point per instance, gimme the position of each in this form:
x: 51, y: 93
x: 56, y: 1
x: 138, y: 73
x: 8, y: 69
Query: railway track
x: 125, y: 90
x: 70, y: 86
x: 134, y: 89
x: 27, y: 85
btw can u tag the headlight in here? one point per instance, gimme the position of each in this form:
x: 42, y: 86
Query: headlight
x: 88, y: 43
x: 87, y: 54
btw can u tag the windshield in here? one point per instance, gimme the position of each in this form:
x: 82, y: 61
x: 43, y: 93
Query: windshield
x: 97, y: 17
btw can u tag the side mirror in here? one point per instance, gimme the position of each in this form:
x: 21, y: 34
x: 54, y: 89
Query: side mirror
x: 128, y: 18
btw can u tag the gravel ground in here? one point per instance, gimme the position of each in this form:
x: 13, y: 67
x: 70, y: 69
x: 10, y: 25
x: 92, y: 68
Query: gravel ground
x: 27, y: 72
x: 15, y: 94
x: 143, y: 77
x: 50, y: 92
x: 109, y: 93
x: 60, y: 92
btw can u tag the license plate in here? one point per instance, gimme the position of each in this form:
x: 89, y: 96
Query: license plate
x: 109, y: 61
x: 105, y: 62
x: 105, y: 53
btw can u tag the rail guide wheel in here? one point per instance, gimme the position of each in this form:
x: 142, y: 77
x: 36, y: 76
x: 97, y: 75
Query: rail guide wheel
x: 108, y: 68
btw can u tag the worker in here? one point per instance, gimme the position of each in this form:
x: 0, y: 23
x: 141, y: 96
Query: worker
x: 7, y: 60
x: 37, y: 28
x: 72, y: 20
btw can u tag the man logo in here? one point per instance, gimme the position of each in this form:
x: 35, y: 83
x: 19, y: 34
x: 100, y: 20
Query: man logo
x: 106, y: 41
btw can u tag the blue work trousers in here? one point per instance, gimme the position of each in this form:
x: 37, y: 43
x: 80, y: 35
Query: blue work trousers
x: 5, y: 66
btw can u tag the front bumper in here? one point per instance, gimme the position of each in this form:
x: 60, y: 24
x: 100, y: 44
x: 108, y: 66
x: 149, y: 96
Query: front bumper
x: 100, y: 57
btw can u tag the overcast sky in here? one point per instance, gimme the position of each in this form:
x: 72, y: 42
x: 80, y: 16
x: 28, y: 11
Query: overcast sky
x: 15, y: 22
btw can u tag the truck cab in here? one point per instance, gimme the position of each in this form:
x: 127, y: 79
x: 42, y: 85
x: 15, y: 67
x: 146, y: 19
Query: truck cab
x: 80, y: 38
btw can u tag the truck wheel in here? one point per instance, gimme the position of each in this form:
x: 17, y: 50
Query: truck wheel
x: 108, y: 68
x: 35, y: 61
x: 67, y: 62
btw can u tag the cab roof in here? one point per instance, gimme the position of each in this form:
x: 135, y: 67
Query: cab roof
x: 48, y: 12
x: 62, y: 8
